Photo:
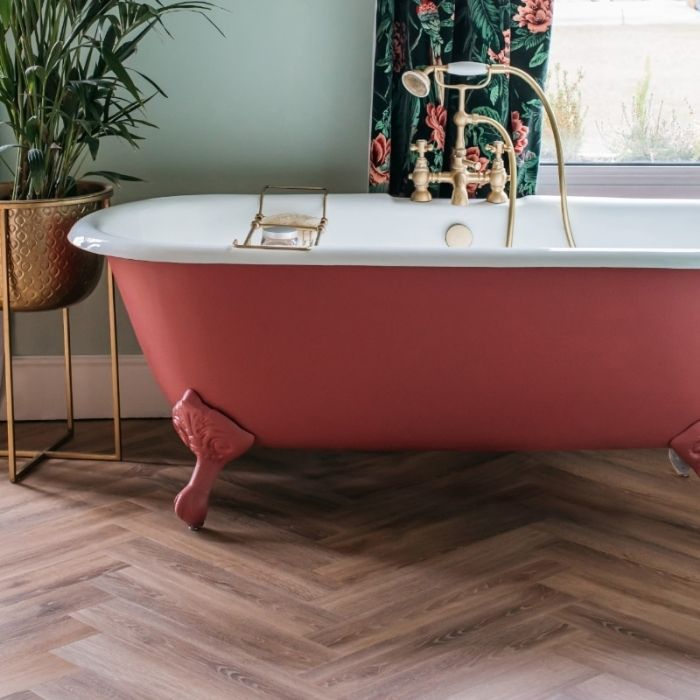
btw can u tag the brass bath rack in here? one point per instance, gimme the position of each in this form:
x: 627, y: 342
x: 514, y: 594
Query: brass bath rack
x: 310, y: 228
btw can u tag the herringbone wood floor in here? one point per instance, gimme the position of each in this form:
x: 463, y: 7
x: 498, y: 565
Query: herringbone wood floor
x: 438, y: 575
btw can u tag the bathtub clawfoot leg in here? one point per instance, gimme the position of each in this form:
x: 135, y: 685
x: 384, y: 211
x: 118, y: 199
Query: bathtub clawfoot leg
x: 215, y: 441
x: 685, y: 451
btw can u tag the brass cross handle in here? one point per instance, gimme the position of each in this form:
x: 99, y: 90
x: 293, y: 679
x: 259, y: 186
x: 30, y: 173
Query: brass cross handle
x: 498, y: 148
x: 498, y: 177
x: 422, y: 147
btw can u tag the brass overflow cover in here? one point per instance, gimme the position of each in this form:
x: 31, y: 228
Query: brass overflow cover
x: 459, y: 236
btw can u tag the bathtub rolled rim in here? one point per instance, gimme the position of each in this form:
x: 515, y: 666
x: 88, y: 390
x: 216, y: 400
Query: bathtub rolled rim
x: 674, y: 258
x: 89, y: 235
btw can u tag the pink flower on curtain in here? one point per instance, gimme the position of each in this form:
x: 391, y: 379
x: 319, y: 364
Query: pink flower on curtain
x: 503, y: 56
x: 520, y: 130
x: 474, y: 155
x: 426, y: 7
x: 429, y: 16
x: 436, y: 119
x: 536, y: 15
x: 379, y: 160
x: 398, y: 45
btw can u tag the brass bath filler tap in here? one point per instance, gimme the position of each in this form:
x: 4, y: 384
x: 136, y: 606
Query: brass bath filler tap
x: 464, y: 172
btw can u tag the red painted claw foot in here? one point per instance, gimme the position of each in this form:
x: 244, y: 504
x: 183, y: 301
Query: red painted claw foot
x: 191, y: 506
x: 215, y: 441
x: 687, y: 446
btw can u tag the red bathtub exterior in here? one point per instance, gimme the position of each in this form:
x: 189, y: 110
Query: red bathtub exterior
x: 424, y: 358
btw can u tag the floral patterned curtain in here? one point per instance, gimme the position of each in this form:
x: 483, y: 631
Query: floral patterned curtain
x: 415, y: 33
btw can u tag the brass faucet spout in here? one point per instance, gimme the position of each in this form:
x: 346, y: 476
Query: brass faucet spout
x: 460, y: 193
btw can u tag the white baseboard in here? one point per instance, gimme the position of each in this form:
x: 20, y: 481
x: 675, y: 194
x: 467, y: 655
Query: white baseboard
x: 40, y: 393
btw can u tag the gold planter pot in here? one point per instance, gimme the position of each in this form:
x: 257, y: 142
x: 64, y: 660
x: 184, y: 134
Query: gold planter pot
x: 41, y: 271
x: 45, y: 271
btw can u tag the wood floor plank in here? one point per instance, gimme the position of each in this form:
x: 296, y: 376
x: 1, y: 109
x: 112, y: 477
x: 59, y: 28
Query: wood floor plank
x: 525, y: 681
x: 23, y: 585
x: 485, y: 556
x: 46, y: 548
x: 621, y: 602
x: 22, y: 695
x: 623, y: 574
x: 46, y: 606
x: 257, y: 545
x: 32, y: 636
x: 461, y: 594
x: 606, y: 687
x: 626, y: 546
x: 19, y: 672
x: 152, y: 666
x: 213, y: 582
x: 254, y: 632
x: 477, y: 659
x: 672, y: 503
x: 440, y: 633
x: 86, y: 685
x: 654, y: 668
x: 404, y: 544
x: 195, y: 649
x: 609, y: 623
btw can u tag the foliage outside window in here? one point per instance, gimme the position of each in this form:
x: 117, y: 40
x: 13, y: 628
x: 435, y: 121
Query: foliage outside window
x: 619, y: 93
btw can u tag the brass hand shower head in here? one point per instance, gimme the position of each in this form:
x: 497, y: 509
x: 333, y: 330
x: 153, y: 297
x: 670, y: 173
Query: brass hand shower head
x: 417, y: 82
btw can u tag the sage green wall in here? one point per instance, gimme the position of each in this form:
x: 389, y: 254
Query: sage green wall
x: 284, y: 97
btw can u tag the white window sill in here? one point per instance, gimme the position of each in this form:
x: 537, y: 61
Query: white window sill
x: 652, y: 181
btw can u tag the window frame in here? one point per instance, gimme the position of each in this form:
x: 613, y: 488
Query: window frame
x: 649, y: 180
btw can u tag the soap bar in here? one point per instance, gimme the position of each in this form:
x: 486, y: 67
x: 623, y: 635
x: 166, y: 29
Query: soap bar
x: 280, y: 236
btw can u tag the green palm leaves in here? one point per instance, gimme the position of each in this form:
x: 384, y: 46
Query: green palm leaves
x: 66, y: 84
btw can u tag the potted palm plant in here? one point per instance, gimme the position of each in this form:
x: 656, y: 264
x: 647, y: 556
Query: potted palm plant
x: 65, y: 85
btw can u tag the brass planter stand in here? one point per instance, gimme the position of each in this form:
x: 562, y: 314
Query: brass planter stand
x: 35, y: 457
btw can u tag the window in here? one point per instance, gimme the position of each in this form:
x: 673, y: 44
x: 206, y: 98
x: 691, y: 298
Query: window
x: 623, y: 83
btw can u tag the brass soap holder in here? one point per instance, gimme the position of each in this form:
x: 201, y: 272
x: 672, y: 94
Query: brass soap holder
x: 309, y: 227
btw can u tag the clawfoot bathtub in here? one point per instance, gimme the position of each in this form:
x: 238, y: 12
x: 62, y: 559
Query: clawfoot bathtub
x: 382, y: 337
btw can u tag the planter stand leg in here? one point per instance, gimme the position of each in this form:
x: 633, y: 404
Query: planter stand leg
x: 215, y: 440
x: 36, y: 457
x: 7, y: 347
